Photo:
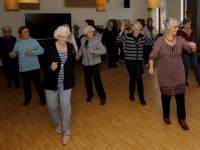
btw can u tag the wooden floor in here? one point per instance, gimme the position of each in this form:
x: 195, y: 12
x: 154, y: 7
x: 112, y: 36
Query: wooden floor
x: 119, y: 125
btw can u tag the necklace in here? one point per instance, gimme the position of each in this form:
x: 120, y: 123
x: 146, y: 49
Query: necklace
x: 170, y: 40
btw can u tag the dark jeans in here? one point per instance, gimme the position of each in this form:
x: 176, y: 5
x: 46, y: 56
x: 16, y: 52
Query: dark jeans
x: 187, y: 58
x: 95, y: 72
x: 180, y: 104
x: 35, y: 76
x: 147, y: 51
x: 112, y: 55
x: 10, y: 70
x: 120, y: 46
x: 135, y: 69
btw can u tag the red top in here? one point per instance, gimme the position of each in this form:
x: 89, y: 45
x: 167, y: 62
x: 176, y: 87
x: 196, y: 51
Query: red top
x: 180, y: 33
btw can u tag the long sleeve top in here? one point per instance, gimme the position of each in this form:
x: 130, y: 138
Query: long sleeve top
x: 6, y: 45
x: 73, y: 42
x: 89, y: 59
x: 27, y: 62
x: 134, y: 49
x: 186, y: 37
x: 170, y: 72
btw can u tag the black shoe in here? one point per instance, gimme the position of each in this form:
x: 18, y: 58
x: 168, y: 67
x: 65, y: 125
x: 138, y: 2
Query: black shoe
x: 110, y: 66
x: 115, y: 66
x: 43, y: 102
x: 143, y: 102
x: 26, y: 103
x: 103, y: 101
x: 9, y: 86
x: 198, y: 82
x: 89, y: 99
x: 186, y: 83
x: 18, y: 87
x: 132, y: 98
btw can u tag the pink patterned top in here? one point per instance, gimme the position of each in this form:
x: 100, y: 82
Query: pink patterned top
x: 171, y: 74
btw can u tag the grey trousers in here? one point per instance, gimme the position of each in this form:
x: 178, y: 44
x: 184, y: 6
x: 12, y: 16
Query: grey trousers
x: 52, y: 105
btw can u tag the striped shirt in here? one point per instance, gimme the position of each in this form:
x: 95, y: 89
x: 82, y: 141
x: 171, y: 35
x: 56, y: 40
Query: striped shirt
x: 27, y: 62
x: 134, y: 50
x: 63, y: 58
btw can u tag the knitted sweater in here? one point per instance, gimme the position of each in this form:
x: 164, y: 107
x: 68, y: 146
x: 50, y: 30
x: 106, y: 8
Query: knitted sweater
x: 28, y: 62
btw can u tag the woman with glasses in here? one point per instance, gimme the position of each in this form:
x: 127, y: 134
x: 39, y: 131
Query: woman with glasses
x: 59, y: 79
x: 134, y: 57
x: 7, y: 43
x: 91, y: 49
x: 188, y: 57
x: 27, y: 50
x: 170, y: 73
x: 148, y: 31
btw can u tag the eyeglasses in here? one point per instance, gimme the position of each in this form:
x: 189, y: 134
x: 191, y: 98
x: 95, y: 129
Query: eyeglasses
x: 64, y: 37
x: 91, y: 31
x: 137, y: 30
x: 25, y: 32
x: 175, y: 27
x: 6, y: 31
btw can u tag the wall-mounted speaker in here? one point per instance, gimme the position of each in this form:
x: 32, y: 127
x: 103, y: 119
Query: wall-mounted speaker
x: 126, y: 3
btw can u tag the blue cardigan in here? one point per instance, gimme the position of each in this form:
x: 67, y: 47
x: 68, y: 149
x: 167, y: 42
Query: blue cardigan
x: 30, y: 62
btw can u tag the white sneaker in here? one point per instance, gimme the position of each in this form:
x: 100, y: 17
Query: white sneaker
x: 146, y: 66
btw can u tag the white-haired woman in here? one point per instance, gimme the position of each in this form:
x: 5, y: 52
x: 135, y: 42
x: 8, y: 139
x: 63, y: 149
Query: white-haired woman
x: 7, y: 43
x: 109, y: 39
x: 171, y: 74
x: 59, y: 79
x: 91, y: 49
x: 134, y: 57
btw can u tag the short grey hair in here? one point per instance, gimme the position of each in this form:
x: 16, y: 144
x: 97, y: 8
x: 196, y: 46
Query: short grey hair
x: 61, y: 30
x: 6, y: 27
x: 135, y: 25
x: 119, y: 21
x: 109, y: 22
x: 168, y: 23
x: 88, y: 28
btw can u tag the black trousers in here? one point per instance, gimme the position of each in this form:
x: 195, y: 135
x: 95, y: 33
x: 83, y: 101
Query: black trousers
x: 180, y: 104
x: 10, y: 70
x: 95, y: 72
x: 120, y: 46
x: 135, y: 69
x: 147, y: 51
x: 35, y: 76
x: 112, y: 55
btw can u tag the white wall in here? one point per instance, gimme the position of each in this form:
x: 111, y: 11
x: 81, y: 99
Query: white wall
x: 174, y: 9
x: 114, y: 10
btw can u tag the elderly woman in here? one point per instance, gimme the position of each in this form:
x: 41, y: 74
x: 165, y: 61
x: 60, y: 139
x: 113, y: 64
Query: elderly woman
x: 91, y: 49
x: 28, y: 49
x: 109, y: 39
x: 59, y: 79
x: 134, y: 57
x: 148, y: 30
x: 171, y: 75
x: 188, y: 34
x: 6, y: 46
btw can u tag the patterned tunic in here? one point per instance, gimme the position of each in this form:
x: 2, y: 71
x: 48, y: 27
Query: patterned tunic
x: 171, y: 74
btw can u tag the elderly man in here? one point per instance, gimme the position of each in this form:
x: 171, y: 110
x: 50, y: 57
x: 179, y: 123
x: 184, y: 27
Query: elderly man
x: 6, y: 46
x: 109, y: 39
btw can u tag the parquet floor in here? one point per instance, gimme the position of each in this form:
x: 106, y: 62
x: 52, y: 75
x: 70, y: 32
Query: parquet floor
x: 119, y: 125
